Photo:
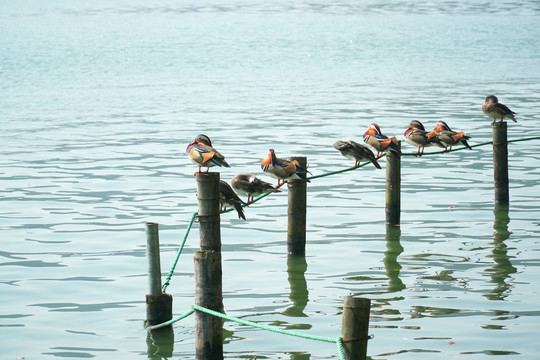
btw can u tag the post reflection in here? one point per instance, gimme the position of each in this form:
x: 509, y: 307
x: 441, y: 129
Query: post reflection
x: 160, y: 343
x: 296, y: 268
x: 394, y: 249
x: 500, y: 272
x: 300, y: 356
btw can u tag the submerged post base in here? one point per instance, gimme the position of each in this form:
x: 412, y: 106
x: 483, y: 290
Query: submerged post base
x: 158, y: 308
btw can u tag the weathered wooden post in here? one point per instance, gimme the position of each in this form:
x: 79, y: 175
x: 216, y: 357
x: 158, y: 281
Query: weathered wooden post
x: 500, y: 162
x: 208, y: 213
x: 208, y: 272
x: 393, y: 187
x: 354, y: 327
x: 208, y: 294
x: 297, y: 207
x: 158, y: 304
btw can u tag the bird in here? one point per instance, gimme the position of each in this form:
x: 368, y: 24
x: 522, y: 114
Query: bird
x: 201, y: 152
x: 250, y: 185
x: 229, y: 197
x: 355, y: 151
x: 494, y: 109
x: 283, y: 169
x: 449, y: 137
x: 375, y: 138
x: 417, y: 136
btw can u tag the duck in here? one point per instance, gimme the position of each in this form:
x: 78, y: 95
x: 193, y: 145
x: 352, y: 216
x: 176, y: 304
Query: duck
x: 449, y: 137
x: 227, y: 196
x: 201, y: 152
x: 283, y: 169
x: 417, y: 136
x: 250, y: 185
x: 357, y: 152
x: 494, y: 109
x: 381, y: 143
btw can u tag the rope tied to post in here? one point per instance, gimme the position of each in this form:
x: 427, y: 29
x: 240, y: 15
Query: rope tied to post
x: 363, y: 338
x: 275, y: 329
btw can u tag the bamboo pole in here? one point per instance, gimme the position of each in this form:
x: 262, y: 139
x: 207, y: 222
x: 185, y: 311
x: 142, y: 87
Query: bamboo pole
x: 296, y: 211
x: 393, y: 187
x: 208, y: 294
x: 158, y: 304
x: 208, y: 214
x: 500, y: 162
x: 208, y: 271
x: 354, y: 328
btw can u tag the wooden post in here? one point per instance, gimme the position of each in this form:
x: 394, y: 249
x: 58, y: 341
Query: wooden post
x: 354, y: 328
x: 393, y: 187
x: 208, y: 294
x: 500, y: 163
x: 158, y: 304
x: 297, y: 205
x: 208, y: 273
x: 208, y: 215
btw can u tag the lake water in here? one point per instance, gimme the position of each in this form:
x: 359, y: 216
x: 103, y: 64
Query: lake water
x: 100, y: 98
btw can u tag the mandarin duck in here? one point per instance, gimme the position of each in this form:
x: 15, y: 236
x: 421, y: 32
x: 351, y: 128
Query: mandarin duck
x: 375, y: 138
x: 494, y: 109
x: 449, y: 137
x: 283, y: 169
x: 250, y: 185
x: 229, y: 197
x: 201, y: 152
x: 355, y: 151
x: 417, y: 136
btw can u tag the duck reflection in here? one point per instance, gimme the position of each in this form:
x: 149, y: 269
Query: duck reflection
x: 394, y: 249
x: 500, y: 272
x: 296, y: 268
x: 160, y: 343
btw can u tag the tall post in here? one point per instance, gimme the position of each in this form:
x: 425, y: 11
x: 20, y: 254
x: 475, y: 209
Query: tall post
x: 354, y: 327
x: 208, y: 294
x: 393, y: 187
x: 158, y: 304
x: 208, y: 271
x: 297, y: 205
x: 500, y: 163
x: 208, y: 214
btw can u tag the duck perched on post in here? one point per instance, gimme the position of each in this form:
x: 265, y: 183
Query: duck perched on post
x: 355, y: 151
x: 250, y: 185
x: 380, y: 142
x: 228, y: 196
x: 282, y: 169
x: 201, y: 152
x: 494, y: 109
x: 449, y: 137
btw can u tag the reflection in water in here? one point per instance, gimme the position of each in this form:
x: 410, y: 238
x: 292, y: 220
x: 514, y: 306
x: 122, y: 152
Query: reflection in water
x: 394, y: 249
x: 502, y: 269
x: 160, y: 343
x: 296, y: 267
x: 300, y: 356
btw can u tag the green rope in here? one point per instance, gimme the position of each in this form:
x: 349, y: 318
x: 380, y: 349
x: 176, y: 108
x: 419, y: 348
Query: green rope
x: 168, y: 279
x: 472, y: 146
x: 272, y: 328
x: 170, y: 322
x: 275, y: 329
